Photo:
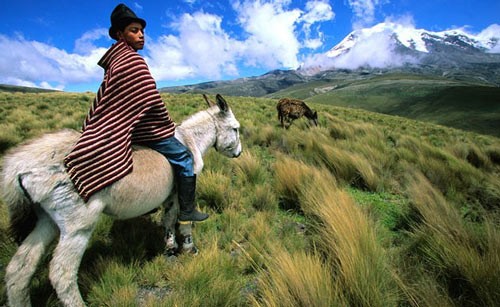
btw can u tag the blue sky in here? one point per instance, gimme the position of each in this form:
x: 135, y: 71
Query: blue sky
x: 57, y: 44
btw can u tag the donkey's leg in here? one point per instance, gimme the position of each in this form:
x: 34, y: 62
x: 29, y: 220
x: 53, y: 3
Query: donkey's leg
x: 24, y: 263
x: 76, y: 220
x: 186, y: 232
x: 172, y: 224
x: 170, y: 214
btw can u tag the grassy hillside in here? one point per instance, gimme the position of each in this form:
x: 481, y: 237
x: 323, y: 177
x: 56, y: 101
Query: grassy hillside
x: 457, y: 104
x: 22, y: 89
x: 365, y: 210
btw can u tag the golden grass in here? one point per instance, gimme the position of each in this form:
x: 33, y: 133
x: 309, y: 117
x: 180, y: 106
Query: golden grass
x: 264, y: 198
x: 296, y: 279
x: 469, y: 258
x: 249, y: 169
x: 213, y: 189
x: 472, y: 154
x: 283, y: 231
x: 116, y: 285
x: 347, y: 238
x: 346, y: 235
x: 205, y: 280
x: 289, y: 181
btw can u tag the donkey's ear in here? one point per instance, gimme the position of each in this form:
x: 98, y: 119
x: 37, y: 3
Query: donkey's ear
x: 221, y: 102
x: 209, y: 102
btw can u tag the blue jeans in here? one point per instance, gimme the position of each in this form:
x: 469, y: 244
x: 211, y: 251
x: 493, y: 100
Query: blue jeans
x: 176, y: 153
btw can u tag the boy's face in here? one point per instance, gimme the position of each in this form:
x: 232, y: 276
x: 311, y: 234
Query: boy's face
x: 133, y: 34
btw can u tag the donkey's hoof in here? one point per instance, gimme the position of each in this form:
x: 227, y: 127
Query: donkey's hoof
x: 192, y: 250
x: 170, y: 252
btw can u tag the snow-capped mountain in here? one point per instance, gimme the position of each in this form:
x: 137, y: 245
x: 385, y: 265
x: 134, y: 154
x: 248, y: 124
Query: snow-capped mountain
x: 420, y: 40
x: 391, y: 45
x: 383, y: 49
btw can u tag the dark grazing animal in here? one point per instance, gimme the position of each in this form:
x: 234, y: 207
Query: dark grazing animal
x: 290, y: 109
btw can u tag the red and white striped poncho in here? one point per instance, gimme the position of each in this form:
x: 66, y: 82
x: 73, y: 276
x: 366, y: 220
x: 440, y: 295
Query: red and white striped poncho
x: 127, y: 109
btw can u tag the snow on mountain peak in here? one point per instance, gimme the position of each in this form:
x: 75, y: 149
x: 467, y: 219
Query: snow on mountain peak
x: 415, y: 39
x: 383, y: 46
x: 408, y: 36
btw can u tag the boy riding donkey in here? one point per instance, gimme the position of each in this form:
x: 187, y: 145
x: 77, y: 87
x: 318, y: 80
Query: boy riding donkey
x: 127, y: 110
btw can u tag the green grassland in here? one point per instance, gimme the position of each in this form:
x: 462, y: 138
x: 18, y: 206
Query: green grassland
x: 461, y: 104
x: 366, y: 209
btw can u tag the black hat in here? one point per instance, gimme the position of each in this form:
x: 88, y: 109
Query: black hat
x: 121, y: 17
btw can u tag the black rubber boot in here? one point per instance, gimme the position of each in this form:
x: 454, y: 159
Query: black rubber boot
x: 186, y: 188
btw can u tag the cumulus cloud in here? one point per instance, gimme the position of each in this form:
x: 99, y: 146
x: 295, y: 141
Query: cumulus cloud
x: 202, y: 48
x: 316, y: 11
x: 364, y: 12
x: 271, y: 34
x: 272, y: 41
x: 32, y: 63
x: 86, y: 43
x: 492, y: 36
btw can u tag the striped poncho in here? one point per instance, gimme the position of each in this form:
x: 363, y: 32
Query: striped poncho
x: 127, y: 109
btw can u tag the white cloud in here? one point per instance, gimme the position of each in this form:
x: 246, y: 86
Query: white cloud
x: 271, y: 35
x: 314, y: 43
x: 376, y: 50
x: 364, y: 12
x: 85, y: 44
x: 31, y: 62
x: 316, y: 11
x: 166, y: 59
x: 374, y: 47
x: 137, y: 6
x: 202, y: 48
x: 491, y: 35
x: 272, y: 42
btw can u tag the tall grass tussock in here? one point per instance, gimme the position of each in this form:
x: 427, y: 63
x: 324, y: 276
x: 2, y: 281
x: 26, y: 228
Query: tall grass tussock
x: 364, y: 210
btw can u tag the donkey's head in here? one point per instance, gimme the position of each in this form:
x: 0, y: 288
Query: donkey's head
x: 228, y: 128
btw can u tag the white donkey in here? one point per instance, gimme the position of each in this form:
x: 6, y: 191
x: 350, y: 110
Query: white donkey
x: 35, y: 185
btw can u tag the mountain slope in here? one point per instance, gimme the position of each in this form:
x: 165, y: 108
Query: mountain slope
x: 268, y: 83
x: 450, y: 78
x: 23, y: 89
x: 462, y: 105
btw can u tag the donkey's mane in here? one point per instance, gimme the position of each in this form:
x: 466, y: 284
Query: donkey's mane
x: 201, y: 116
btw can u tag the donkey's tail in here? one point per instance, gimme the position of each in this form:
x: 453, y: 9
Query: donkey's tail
x: 20, y: 206
x: 28, y: 175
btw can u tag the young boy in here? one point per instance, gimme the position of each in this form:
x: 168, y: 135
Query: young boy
x: 127, y: 110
